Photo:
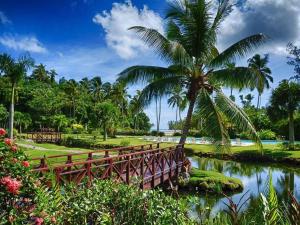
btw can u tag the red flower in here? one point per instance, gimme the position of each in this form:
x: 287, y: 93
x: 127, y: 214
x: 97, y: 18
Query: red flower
x: 15, y: 160
x: 14, y: 148
x: 53, y: 219
x: 25, y: 164
x: 39, y: 221
x: 2, y: 132
x: 12, y: 185
x: 7, y: 141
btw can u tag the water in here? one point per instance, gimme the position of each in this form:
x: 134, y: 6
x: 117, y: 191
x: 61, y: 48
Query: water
x: 254, y: 178
x: 203, y: 140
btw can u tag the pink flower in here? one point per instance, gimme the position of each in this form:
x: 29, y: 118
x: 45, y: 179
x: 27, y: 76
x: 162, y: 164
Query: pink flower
x: 14, y: 148
x: 7, y: 141
x: 12, y: 185
x: 25, y: 164
x: 2, y: 132
x: 39, y: 221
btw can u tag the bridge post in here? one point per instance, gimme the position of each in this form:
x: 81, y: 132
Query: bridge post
x: 153, y: 172
x: 157, y: 145
x: 142, y: 171
x: 128, y: 170
x: 162, y: 178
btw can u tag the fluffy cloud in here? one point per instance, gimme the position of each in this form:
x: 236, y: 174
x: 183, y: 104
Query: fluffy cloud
x: 116, y: 23
x: 4, y: 19
x: 24, y: 43
x: 279, y: 19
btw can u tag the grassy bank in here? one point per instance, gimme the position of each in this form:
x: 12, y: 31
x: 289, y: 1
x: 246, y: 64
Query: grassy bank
x: 270, y: 153
x: 211, y: 181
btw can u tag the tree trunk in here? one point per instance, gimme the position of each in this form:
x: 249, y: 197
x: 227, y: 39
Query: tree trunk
x: 105, y: 133
x: 291, y: 131
x: 12, y: 112
x: 188, y: 119
x: 258, y: 101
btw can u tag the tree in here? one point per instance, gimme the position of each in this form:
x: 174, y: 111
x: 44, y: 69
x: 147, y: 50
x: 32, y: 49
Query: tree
x: 3, y: 116
x: 231, y: 65
x: 285, y: 100
x: 247, y: 100
x: 96, y: 88
x: 190, y: 49
x: 177, y: 99
x: 40, y: 73
x: 135, y: 108
x: 22, y: 120
x: 260, y: 64
x: 15, y: 71
x: 294, y: 60
x: 106, y: 115
x: 59, y: 121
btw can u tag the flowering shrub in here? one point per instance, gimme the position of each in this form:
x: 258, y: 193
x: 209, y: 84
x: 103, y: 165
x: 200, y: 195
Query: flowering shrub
x: 20, y: 201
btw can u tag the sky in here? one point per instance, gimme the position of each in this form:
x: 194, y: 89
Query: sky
x: 80, y: 38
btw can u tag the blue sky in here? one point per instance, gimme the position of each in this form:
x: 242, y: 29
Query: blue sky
x: 81, y: 38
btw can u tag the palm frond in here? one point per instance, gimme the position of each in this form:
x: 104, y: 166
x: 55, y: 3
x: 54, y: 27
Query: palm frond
x: 160, y: 87
x: 212, y: 120
x: 238, y: 50
x: 136, y: 74
x: 224, y: 9
x: 238, y: 77
x: 236, y: 116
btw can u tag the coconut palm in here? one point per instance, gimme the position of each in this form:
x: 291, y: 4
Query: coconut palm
x: 196, y: 64
x: 15, y: 71
x: 260, y: 64
x: 136, y: 107
x: 40, y: 73
x: 231, y: 65
x: 177, y: 99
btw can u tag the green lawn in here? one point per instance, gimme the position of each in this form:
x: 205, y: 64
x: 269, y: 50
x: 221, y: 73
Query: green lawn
x: 270, y: 151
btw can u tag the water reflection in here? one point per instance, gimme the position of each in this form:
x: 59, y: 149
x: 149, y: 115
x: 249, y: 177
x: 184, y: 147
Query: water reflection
x: 254, y: 178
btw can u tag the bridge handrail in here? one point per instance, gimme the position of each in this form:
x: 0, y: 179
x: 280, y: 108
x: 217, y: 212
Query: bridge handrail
x: 96, y: 151
x: 110, y: 158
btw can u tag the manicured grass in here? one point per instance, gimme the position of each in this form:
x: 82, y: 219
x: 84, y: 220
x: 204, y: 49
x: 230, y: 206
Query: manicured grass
x: 213, y: 181
x: 270, y: 154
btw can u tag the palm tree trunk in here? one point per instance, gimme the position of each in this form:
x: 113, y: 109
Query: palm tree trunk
x: 188, y: 119
x: 156, y: 114
x: 291, y: 130
x: 159, y: 112
x: 11, y: 112
x: 258, y: 101
x: 177, y: 110
x: 105, y: 133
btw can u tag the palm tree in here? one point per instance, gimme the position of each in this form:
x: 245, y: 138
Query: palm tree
x: 231, y: 65
x: 96, y: 88
x: 177, y: 100
x: 15, y: 71
x: 195, y: 63
x: 40, y: 73
x: 136, y: 107
x: 260, y: 64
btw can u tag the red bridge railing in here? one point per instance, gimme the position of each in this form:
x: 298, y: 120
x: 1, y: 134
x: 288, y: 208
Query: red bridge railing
x: 149, y: 167
x: 44, y: 162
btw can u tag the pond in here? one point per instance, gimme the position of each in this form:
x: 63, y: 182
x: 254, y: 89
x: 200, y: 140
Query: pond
x: 254, y: 177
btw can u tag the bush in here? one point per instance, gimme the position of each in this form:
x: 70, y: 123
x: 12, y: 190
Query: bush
x: 106, y: 202
x: 85, y: 143
x: 21, y: 197
x: 266, y: 135
x: 154, y: 133
x: 125, y: 143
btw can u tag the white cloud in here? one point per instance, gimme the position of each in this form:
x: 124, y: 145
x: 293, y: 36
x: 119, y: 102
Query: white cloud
x: 263, y: 16
x: 23, y: 43
x: 4, y: 19
x: 116, y: 23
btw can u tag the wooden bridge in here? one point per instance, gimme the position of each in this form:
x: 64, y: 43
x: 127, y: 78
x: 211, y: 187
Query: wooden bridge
x: 45, y: 135
x: 149, y: 165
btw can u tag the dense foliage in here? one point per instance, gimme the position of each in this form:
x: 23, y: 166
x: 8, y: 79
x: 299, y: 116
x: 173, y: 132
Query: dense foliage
x: 40, y: 101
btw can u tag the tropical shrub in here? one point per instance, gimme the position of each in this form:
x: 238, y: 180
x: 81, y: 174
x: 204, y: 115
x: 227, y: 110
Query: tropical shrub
x: 107, y: 202
x: 20, y: 192
x: 266, y: 135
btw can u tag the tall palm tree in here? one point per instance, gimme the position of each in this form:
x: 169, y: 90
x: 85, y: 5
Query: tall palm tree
x: 190, y: 49
x: 231, y: 65
x: 260, y: 64
x: 177, y: 100
x: 96, y: 87
x: 136, y: 107
x: 15, y: 71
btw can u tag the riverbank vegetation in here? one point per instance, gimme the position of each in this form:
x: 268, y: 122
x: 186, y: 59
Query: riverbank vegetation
x: 210, y: 181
